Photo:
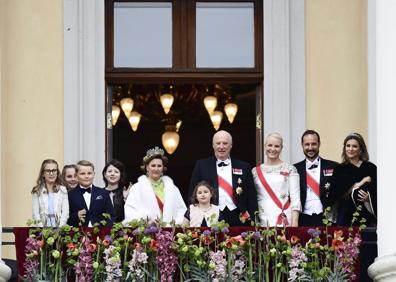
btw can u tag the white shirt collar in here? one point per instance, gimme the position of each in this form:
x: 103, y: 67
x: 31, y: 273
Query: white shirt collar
x: 226, y: 161
x: 308, y: 163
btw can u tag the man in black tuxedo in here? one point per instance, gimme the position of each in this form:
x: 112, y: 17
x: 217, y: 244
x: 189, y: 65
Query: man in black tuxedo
x: 315, y: 174
x: 88, y: 203
x: 232, y: 180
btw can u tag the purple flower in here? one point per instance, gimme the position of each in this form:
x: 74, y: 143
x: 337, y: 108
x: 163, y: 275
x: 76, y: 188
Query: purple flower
x: 166, y: 258
x: 238, y: 269
x: 225, y: 230
x: 136, y: 265
x: 151, y: 230
x: 256, y: 235
x: 84, y: 268
x: 215, y: 229
x: 136, y: 232
x: 113, y: 264
x: 108, y: 238
x: 206, y: 232
x: 31, y: 265
x: 313, y: 232
x: 347, y: 256
x: 218, y: 261
x: 244, y: 235
x: 295, y: 263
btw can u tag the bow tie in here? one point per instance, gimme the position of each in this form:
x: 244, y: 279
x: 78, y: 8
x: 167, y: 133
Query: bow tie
x: 222, y: 164
x: 83, y: 190
x: 313, y: 166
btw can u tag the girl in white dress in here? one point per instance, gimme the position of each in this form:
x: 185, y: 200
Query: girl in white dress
x: 202, y: 213
x: 50, y: 203
x: 278, y: 187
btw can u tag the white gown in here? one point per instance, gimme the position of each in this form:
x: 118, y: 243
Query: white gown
x: 285, y: 183
x: 142, y: 203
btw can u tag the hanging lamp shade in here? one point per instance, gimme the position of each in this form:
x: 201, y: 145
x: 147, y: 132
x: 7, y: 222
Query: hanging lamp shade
x: 166, y: 102
x: 126, y: 106
x: 210, y: 103
x: 134, y: 120
x: 115, y: 113
x: 170, y: 139
x: 216, y: 119
x: 231, y: 110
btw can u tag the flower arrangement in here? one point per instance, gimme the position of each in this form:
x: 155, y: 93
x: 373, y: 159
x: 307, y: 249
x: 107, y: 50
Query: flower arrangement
x: 145, y: 251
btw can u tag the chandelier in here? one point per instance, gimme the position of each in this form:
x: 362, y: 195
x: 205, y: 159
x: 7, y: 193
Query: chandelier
x: 171, y: 105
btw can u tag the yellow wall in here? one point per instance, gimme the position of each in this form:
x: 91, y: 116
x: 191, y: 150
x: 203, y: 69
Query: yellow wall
x: 336, y: 70
x: 31, y: 89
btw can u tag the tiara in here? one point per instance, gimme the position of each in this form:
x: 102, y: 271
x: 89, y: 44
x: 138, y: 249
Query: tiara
x: 153, y: 152
x: 353, y: 134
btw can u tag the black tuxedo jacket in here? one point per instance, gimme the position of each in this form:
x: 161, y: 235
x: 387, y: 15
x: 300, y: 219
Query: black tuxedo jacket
x: 206, y: 170
x: 100, y: 203
x: 326, y: 172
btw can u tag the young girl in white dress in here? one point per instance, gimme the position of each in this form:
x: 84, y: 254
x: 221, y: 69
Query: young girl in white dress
x: 50, y: 202
x: 202, y: 213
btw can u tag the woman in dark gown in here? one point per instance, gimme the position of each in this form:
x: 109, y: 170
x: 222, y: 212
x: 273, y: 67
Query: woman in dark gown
x: 354, y: 184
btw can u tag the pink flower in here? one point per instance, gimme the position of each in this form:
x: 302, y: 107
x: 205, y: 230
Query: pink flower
x: 92, y: 247
x: 294, y: 240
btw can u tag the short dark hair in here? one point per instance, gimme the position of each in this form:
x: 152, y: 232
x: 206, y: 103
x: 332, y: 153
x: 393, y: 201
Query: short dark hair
x: 121, y: 167
x: 194, y: 200
x: 310, y: 132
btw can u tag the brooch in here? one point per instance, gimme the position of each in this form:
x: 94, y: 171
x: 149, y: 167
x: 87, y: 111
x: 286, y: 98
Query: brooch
x: 239, y: 189
x: 285, y: 173
x: 327, y: 186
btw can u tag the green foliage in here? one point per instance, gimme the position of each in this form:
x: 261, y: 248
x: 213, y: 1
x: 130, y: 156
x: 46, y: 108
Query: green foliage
x: 258, y: 254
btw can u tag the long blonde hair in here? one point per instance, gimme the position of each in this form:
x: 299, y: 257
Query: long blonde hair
x: 40, y: 183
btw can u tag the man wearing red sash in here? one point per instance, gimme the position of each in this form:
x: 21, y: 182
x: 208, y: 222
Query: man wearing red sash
x: 315, y: 173
x: 232, y: 180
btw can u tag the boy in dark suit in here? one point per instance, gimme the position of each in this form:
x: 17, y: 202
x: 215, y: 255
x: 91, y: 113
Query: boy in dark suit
x: 315, y: 173
x: 232, y: 180
x: 88, y: 203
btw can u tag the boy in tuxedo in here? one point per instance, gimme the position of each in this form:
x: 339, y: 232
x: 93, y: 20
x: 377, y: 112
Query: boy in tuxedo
x: 88, y: 203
